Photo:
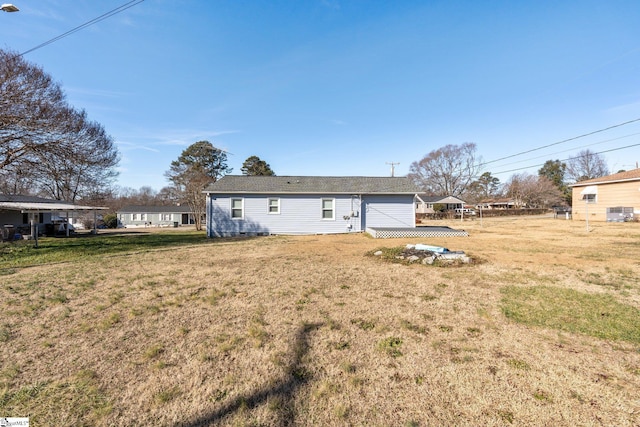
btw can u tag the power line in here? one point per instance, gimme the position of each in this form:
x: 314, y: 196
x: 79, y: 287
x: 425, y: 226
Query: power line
x: 561, y: 142
x: 563, y: 160
x: 86, y: 24
x: 569, y: 149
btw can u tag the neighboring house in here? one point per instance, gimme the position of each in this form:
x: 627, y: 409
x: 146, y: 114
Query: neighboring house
x: 239, y: 205
x: 609, y: 198
x: 500, y: 203
x: 425, y: 203
x: 26, y: 214
x: 155, y: 216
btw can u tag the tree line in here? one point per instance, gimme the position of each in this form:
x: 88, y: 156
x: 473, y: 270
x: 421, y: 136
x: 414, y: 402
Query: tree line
x: 456, y: 170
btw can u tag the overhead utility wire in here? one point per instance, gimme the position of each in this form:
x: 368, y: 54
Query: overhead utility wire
x: 86, y: 24
x: 569, y: 149
x: 561, y: 142
x: 563, y: 160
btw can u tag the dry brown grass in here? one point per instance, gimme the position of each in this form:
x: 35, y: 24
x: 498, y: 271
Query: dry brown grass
x: 311, y: 331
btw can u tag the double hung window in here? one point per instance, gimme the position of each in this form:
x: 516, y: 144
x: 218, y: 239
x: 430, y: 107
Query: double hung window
x: 328, y: 212
x: 273, y: 206
x: 237, y: 208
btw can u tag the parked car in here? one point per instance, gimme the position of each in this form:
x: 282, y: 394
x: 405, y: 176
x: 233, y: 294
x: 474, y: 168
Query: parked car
x: 465, y: 211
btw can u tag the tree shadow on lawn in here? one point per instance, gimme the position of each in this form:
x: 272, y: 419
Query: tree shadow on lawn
x: 283, y: 391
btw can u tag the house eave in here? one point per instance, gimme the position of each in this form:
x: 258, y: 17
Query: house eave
x: 359, y: 193
x: 46, y: 207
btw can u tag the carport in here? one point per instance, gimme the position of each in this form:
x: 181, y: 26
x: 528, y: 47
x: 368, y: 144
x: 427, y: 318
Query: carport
x: 12, y: 206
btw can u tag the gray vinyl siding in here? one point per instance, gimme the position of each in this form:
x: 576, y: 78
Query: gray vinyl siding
x: 302, y: 214
x: 388, y: 211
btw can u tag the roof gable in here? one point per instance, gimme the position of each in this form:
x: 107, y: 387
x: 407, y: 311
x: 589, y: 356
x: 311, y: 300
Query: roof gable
x: 240, y: 184
x: 439, y: 199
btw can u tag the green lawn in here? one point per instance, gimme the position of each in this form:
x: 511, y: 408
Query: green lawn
x: 63, y: 249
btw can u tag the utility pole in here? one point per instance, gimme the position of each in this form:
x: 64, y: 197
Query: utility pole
x: 393, y: 167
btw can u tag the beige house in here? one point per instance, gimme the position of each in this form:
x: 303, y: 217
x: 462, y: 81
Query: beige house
x: 609, y: 198
x: 425, y: 203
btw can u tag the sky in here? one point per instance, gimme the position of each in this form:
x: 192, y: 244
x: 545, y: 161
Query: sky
x: 344, y: 88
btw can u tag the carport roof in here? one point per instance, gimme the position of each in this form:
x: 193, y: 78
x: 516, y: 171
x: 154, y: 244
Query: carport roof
x: 39, y: 204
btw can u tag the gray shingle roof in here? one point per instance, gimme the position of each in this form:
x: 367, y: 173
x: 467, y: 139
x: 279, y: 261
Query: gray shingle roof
x: 155, y: 209
x: 19, y: 198
x: 240, y: 184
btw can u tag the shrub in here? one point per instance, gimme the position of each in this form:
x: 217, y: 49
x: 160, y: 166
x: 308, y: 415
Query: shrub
x: 111, y: 220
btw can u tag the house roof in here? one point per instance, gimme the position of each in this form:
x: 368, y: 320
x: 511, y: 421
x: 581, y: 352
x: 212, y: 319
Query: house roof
x: 632, y: 175
x: 439, y: 199
x: 155, y: 209
x: 15, y: 202
x: 19, y: 198
x: 240, y: 184
x: 498, y: 201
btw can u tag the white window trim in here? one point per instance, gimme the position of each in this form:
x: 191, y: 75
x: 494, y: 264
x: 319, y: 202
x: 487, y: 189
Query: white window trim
x: 333, y: 209
x: 592, y: 200
x: 241, y: 217
x: 277, y: 205
x: 165, y: 217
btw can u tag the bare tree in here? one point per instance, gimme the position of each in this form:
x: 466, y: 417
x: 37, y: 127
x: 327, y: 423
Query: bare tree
x: 169, y: 195
x: 44, y: 142
x: 586, y: 165
x: 447, y: 171
x: 532, y: 191
x: 85, y: 160
x: 32, y: 109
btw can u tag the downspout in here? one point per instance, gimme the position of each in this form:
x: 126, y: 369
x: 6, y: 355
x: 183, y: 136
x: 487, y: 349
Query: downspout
x: 417, y: 196
x: 208, y: 218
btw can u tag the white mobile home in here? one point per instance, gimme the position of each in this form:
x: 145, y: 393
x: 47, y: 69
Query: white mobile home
x: 155, y: 216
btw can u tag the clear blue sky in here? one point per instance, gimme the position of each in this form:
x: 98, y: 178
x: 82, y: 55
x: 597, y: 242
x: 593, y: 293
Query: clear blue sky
x: 333, y: 87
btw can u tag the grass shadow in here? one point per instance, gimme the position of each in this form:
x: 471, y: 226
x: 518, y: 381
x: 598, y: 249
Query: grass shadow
x: 284, y: 390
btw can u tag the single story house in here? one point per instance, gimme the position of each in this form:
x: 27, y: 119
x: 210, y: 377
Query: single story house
x: 252, y: 205
x: 27, y: 215
x: 609, y: 198
x: 155, y: 216
x: 425, y: 203
x: 498, y: 203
